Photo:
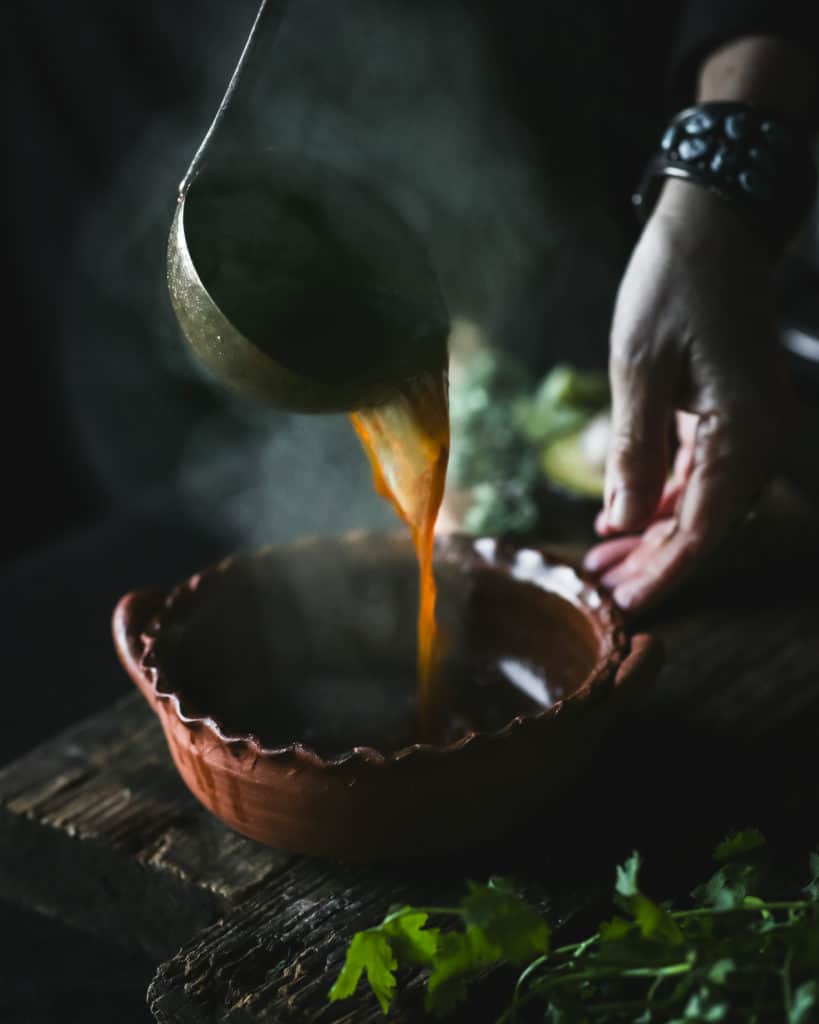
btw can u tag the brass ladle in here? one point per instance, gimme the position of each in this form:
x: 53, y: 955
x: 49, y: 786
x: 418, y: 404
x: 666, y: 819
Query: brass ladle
x: 291, y: 281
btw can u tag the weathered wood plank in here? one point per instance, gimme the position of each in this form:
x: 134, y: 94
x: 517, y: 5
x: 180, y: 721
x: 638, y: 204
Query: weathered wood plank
x: 274, y: 957
x: 264, y: 960
x: 97, y: 827
x: 726, y: 738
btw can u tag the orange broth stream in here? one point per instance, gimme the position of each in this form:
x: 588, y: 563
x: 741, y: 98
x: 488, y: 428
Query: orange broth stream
x: 407, y: 442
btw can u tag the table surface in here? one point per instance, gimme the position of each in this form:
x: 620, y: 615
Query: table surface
x: 96, y: 827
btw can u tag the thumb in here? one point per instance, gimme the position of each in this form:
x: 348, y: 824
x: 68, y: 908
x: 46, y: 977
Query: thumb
x: 637, y: 461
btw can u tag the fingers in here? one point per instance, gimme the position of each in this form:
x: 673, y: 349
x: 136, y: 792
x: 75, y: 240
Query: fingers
x: 637, y: 462
x: 674, y: 485
x: 687, y: 435
x: 720, y: 487
x: 683, y: 463
x: 609, y: 553
x: 638, y: 562
x: 606, y: 557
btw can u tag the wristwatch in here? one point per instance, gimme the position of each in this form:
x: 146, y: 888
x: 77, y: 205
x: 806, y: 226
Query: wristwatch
x: 757, y: 162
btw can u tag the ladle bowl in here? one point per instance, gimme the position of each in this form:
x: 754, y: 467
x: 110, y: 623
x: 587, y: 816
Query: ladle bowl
x: 298, y: 285
x: 293, y: 280
x: 284, y: 682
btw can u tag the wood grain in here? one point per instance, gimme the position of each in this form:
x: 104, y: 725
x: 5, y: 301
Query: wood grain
x: 95, y: 825
x: 725, y: 738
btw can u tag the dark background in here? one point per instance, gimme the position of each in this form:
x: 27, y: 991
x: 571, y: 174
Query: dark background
x: 106, y: 105
x: 102, y: 408
x: 89, y: 85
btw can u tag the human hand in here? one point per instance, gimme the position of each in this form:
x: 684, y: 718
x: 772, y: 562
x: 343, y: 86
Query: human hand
x: 692, y: 334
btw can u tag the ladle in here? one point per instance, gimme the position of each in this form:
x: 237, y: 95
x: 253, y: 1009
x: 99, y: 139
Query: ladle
x: 292, y: 281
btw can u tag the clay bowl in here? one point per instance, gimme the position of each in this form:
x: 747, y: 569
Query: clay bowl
x: 284, y: 682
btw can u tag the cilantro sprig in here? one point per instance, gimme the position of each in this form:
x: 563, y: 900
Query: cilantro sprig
x: 732, y: 954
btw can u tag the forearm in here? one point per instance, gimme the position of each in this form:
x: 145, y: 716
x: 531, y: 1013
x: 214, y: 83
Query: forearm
x: 766, y: 71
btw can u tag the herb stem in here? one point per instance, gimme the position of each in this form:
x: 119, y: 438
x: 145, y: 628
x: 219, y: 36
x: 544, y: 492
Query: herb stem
x: 708, y: 960
x: 678, y: 915
x: 404, y: 911
x: 787, y: 991
x: 615, y: 971
x: 625, y: 1004
x: 578, y: 947
x: 533, y: 966
x: 511, y: 1013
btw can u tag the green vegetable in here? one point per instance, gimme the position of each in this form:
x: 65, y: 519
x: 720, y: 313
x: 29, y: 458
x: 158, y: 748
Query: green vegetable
x: 499, y: 507
x: 567, y: 386
x: 563, y: 404
x: 500, y: 425
x: 731, y: 956
x: 489, y: 455
x: 545, y: 424
x: 565, y: 465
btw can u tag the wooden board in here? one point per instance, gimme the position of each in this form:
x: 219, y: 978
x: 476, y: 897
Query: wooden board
x: 726, y: 738
x: 96, y: 826
x: 275, y: 956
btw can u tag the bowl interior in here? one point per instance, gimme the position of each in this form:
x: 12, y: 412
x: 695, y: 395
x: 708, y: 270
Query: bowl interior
x: 315, y: 644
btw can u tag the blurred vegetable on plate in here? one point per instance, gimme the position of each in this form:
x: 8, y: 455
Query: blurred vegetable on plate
x: 515, y: 440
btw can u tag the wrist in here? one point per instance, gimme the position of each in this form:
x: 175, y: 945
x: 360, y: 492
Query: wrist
x: 695, y: 216
x: 757, y: 165
x: 685, y: 202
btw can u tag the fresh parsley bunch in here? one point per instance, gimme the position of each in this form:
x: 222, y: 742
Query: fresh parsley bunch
x: 732, y: 955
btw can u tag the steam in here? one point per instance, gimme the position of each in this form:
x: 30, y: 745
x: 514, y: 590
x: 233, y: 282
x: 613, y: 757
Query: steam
x: 399, y: 96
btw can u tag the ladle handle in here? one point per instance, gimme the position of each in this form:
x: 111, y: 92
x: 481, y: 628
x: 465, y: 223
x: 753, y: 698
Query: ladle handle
x: 267, y: 22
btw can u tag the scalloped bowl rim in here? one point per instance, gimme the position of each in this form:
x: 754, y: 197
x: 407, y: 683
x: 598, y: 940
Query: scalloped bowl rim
x: 602, y: 674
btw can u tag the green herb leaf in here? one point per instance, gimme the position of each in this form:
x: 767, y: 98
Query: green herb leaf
x: 615, y: 930
x: 721, y: 970
x: 627, y: 884
x: 739, y: 843
x: 729, y: 887
x: 654, y: 963
x: 371, y: 952
x: 655, y: 923
x: 812, y: 888
x: 460, y: 957
x: 411, y: 941
x: 755, y: 903
x: 805, y: 1000
x: 704, y: 1006
x: 508, y: 922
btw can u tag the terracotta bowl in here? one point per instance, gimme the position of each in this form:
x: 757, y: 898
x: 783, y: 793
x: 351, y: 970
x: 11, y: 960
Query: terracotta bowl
x: 284, y: 682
